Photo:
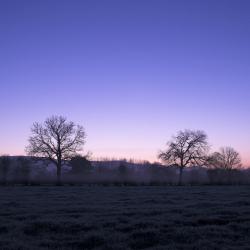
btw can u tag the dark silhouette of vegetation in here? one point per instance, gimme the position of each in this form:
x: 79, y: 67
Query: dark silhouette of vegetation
x: 187, y: 148
x: 56, y: 139
x: 123, y: 172
x: 4, y: 168
x: 222, y: 176
x: 23, y: 170
x: 227, y: 158
x: 224, y: 166
x: 80, y: 168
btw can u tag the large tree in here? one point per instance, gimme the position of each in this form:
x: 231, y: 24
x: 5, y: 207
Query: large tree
x: 227, y: 158
x: 56, y: 139
x: 185, y: 149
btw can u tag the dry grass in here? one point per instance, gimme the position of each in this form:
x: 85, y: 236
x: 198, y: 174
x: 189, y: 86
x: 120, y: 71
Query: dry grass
x: 125, y: 218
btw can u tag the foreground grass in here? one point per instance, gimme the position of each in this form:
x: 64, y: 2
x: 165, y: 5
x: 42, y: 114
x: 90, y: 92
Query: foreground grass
x: 125, y: 218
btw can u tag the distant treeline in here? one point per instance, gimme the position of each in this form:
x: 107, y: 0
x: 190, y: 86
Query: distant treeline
x: 79, y: 170
x: 55, y: 156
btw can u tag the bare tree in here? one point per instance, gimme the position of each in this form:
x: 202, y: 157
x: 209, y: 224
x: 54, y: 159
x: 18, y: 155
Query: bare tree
x: 56, y: 139
x: 227, y: 158
x: 185, y: 149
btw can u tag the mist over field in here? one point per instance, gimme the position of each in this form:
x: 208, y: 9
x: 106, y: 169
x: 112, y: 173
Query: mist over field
x: 117, y: 172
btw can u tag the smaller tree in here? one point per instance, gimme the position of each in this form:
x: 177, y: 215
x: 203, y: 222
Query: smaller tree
x: 4, y: 168
x: 224, y: 166
x: 227, y: 158
x: 187, y: 148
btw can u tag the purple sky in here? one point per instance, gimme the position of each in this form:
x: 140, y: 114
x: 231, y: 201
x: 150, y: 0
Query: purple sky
x: 132, y: 72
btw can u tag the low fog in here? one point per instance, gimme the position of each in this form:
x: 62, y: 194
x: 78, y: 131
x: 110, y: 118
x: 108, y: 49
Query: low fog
x: 25, y: 170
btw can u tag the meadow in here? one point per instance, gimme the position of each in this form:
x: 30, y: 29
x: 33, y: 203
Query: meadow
x: 140, y: 217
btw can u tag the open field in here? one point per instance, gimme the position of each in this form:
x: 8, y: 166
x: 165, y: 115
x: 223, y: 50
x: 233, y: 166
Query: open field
x: 125, y: 217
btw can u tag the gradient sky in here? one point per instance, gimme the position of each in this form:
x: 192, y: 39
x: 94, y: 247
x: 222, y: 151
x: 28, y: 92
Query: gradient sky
x: 132, y: 73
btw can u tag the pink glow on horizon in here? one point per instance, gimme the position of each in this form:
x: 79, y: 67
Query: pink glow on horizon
x: 144, y: 155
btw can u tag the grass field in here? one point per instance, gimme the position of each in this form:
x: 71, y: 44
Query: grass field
x: 125, y: 217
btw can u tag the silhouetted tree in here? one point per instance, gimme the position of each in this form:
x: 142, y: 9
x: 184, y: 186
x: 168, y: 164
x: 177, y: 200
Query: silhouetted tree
x: 80, y: 165
x: 4, y: 168
x: 227, y: 158
x: 57, y: 139
x: 187, y: 148
x: 224, y: 165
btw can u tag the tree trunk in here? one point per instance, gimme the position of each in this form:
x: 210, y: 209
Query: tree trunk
x: 59, y: 168
x: 180, y: 176
x: 230, y: 179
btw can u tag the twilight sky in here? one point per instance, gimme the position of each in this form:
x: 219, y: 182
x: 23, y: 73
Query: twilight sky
x: 132, y: 72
